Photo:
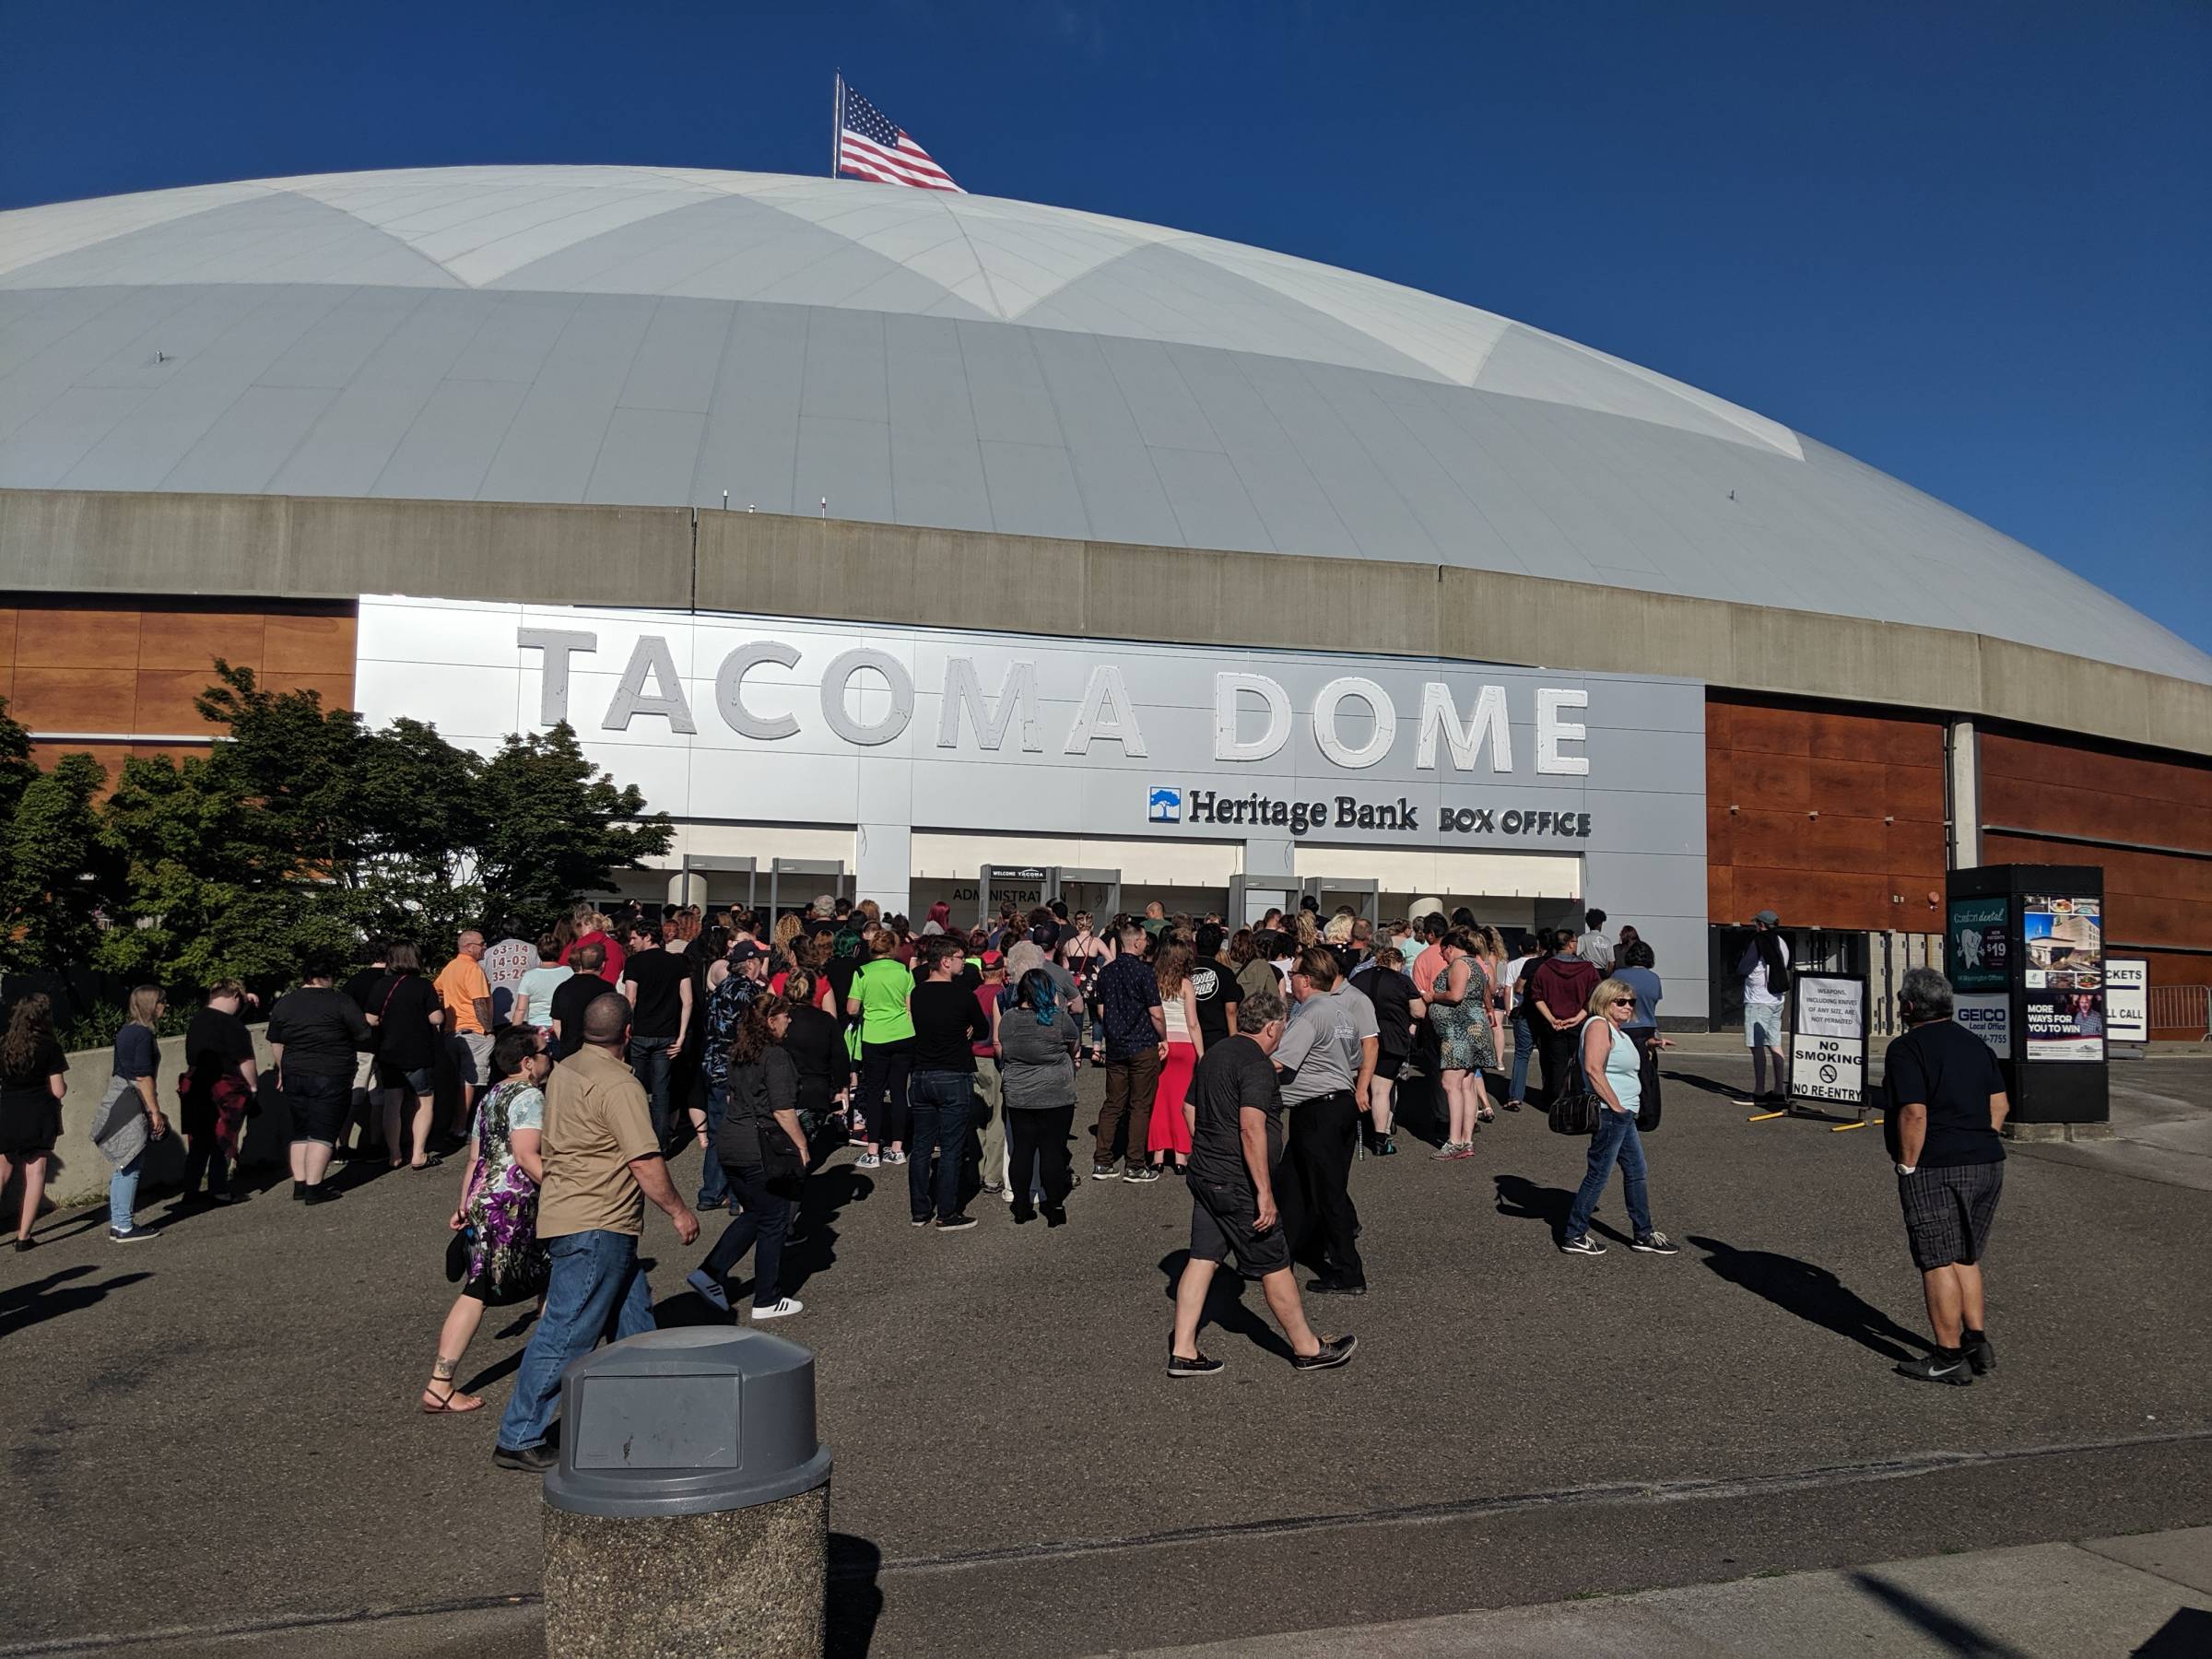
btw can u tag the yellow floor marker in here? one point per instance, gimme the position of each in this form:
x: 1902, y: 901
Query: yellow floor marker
x: 1839, y: 1128
x: 1760, y: 1117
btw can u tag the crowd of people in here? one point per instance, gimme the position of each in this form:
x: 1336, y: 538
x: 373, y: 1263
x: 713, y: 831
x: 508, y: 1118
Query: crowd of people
x: 1256, y: 1062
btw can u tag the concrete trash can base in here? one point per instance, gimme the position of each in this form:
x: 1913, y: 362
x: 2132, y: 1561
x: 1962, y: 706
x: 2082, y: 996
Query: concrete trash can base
x: 689, y: 1512
x: 749, y: 1581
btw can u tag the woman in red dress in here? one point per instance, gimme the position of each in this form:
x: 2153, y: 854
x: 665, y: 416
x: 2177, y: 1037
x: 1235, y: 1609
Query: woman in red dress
x: 1170, y: 1136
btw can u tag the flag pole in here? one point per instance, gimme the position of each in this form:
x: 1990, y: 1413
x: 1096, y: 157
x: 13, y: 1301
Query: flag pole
x: 836, y: 122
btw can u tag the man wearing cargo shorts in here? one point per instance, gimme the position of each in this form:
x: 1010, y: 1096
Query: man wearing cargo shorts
x: 1946, y: 1104
x: 1234, y: 1110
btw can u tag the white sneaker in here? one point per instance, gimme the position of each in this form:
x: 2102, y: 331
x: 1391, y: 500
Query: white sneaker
x: 782, y: 1309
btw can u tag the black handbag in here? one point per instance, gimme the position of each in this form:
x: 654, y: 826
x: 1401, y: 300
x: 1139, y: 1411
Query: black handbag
x: 459, y: 1250
x: 1575, y: 1113
x: 1647, y: 1109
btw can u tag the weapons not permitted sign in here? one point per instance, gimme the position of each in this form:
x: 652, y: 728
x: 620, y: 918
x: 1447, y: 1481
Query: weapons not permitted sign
x: 1828, y: 1039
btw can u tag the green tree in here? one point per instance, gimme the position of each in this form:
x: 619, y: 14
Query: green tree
x: 57, y: 873
x: 553, y: 826
x: 15, y: 770
x: 304, y: 830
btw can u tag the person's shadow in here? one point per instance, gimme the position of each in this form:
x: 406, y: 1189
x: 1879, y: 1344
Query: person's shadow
x: 1813, y: 1294
x: 36, y: 1300
x: 1225, y: 1306
x: 1523, y: 1200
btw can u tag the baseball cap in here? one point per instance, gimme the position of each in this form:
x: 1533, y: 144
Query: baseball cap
x: 991, y: 959
x: 745, y: 951
x: 1769, y: 918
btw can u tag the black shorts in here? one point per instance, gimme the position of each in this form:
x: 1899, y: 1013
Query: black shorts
x: 1948, y: 1212
x: 319, y: 1106
x: 1387, y: 1066
x: 1221, y: 1226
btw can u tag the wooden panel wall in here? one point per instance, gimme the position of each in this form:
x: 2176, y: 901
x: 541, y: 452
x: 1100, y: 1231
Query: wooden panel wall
x: 133, y: 667
x: 1830, y: 818
x: 2151, y: 899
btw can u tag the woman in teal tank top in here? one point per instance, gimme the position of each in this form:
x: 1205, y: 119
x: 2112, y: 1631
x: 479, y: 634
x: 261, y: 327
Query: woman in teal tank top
x: 1613, y: 1066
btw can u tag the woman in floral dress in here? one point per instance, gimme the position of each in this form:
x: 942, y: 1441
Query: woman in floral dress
x: 498, y: 1210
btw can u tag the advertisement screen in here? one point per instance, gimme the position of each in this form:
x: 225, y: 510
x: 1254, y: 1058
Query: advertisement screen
x: 2064, y: 978
x: 1976, y: 946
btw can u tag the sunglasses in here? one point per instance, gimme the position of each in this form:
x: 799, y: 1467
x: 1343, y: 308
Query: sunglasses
x: 1624, y: 1002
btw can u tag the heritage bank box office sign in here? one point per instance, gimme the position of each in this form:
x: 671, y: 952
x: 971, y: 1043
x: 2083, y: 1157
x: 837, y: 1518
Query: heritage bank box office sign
x: 735, y: 718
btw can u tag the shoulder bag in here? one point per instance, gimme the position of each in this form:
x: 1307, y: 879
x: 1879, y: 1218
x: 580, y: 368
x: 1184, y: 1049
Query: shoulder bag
x: 1576, y: 1110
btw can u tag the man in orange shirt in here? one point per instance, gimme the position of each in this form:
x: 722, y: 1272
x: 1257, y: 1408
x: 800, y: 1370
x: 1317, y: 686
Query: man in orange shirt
x: 466, y: 994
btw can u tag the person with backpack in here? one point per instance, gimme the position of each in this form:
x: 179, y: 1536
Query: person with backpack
x: 1765, y: 970
x: 734, y: 984
x: 1612, y: 1070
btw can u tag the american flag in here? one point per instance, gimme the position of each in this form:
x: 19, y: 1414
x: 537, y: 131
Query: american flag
x: 870, y: 148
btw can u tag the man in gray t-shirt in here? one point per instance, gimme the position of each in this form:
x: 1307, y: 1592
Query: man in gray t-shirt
x: 1327, y: 1056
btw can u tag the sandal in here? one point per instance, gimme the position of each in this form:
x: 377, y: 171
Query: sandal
x: 452, y: 1403
x: 432, y: 1162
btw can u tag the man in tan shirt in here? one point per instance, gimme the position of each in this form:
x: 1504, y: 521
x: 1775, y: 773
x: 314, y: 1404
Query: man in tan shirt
x: 601, y: 1162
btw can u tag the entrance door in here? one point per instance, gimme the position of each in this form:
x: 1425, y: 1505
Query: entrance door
x: 1098, y: 891
x: 794, y: 882
x: 1026, y: 886
x: 713, y: 883
x: 1329, y: 891
x: 1249, y: 901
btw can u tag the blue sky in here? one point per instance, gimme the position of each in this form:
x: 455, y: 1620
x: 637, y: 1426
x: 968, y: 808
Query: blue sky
x: 1970, y: 244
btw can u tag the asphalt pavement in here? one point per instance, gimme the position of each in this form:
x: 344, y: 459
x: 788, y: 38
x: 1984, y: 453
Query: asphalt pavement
x: 213, y: 1438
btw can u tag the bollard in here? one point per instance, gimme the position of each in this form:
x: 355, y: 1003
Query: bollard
x: 689, y: 1512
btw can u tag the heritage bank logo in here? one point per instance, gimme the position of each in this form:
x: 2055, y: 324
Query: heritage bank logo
x: 1165, y: 805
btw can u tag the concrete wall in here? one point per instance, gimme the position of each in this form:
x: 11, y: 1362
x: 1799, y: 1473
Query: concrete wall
x: 79, y: 1174
x: 74, y: 541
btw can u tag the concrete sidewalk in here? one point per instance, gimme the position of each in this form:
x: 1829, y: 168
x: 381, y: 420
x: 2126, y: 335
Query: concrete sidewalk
x: 2149, y: 1596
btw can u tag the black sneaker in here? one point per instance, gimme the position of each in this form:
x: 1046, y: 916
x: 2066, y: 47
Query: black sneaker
x: 1385, y: 1147
x: 959, y: 1223
x: 1656, y: 1243
x: 320, y: 1195
x: 1980, y: 1356
x: 132, y: 1235
x: 1585, y: 1245
x: 1101, y: 1171
x: 1334, y: 1353
x: 1335, y: 1286
x: 1200, y: 1367
x: 1140, y: 1174
x: 531, y: 1460
x: 1939, y: 1367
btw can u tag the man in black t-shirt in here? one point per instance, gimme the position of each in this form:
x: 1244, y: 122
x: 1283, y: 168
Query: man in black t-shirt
x: 658, y: 983
x: 574, y: 995
x: 1234, y: 1109
x: 1946, y: 1104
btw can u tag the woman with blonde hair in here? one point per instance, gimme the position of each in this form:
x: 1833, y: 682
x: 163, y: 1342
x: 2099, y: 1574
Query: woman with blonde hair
x: 1169, y: 1138
x: 1613, y: 1071
x: 129, y: 1118
x: 788, y: 929
x: 33, y: 1077
x: 1492, y: 952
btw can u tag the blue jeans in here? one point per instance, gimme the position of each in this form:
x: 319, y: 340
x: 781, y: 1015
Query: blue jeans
x: 649, y: 1062
x: 1616, y: 1142
x: 1524, y: 1048
x: 122, y: 1192
x: 713, y: 1184
x: 938, y: 1101
x: 597, y: 1286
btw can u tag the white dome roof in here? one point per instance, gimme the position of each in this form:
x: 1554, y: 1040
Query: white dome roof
x: 656, y: 335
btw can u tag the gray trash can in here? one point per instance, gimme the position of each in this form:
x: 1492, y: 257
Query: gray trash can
x: 690, y: 1507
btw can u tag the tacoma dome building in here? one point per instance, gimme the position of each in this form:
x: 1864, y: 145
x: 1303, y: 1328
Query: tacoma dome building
x: 932, y: 547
